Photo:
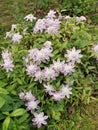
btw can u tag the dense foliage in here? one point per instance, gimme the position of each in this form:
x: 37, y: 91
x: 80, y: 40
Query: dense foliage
x: 47, y: 67
x: 73, y: 7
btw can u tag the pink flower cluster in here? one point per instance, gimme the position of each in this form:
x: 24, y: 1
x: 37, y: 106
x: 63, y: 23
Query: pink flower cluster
x: 30, y: 99
x: 15, y: 37
x: 8, y: 62
x: 52, y: 72
x: 65, y: 91
x: 47, y: 73
x: 95, y: 49
x: 58, y: 67
x: 42, y: 55
x: 49, y: 24
x: 32, y: 105
x: 37, y: 57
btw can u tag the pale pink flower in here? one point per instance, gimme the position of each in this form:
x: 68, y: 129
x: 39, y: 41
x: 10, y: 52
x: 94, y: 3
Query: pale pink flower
x: 49, y: 73
x: 8, y: 35
x: 39, y: 26
x: 22, y: 95
x: 48, y: 88
x: 41, y: 56
x: 81, y: 18
x: 53, y: 23
x: 52, y: 26
x: 52, y: 30
x: 78, y: 19
x: 31, y: 69
x: 33, y: 54
x: 66, y: 90
x: 13, y: 27
x: 16, y: 37
x: 6, y: 55
x: 51, y: 14
x: 7, y: 61
x: 8, y: 65
x: 58, y: 65
x: 95, y: 48
x: 73, y: 55
x: 68, y: 69
x: 57, y: 95
x: 29, y: 96
x: 32, y: 105
x: 46, y: 53
x: 30, y: 17
x: 67, y: 17
x: 48, y: 45
x: 39, y: 119
x: 39, y: 76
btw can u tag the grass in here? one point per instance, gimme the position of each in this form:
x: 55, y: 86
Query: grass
x: 86, y: 118
x: 89, y: 117
x: 13, y: 12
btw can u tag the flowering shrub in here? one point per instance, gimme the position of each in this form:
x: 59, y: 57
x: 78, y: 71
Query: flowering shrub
x: 47, y: 66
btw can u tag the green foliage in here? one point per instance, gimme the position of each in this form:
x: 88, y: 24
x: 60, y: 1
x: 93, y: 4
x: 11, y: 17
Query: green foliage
x: 77, y: 7
x: 2, y: 102
x: 72, y: 7
x: 42, y: 3
x: 6, y: 123
x: 18, y: 112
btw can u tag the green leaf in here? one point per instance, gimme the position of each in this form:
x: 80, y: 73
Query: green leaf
x: 7, y: 98
x: 6, y: 123
x: 18, y: 112
x: 56, y: 115
x: 3, y: 91
x: 23, y: 118
x: 19, y: 81
x: 91, y: 67
x: 2, y: 84
x: 6, y: 113
x: 2, y: 102
x: 2, y: 117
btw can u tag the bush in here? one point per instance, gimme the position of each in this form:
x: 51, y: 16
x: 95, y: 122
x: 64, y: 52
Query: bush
x: 48, y: 66
x: 78, y: 7
x: 72, y: 7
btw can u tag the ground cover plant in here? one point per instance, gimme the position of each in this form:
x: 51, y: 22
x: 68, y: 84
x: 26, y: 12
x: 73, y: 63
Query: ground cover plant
x: 39, y: 73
